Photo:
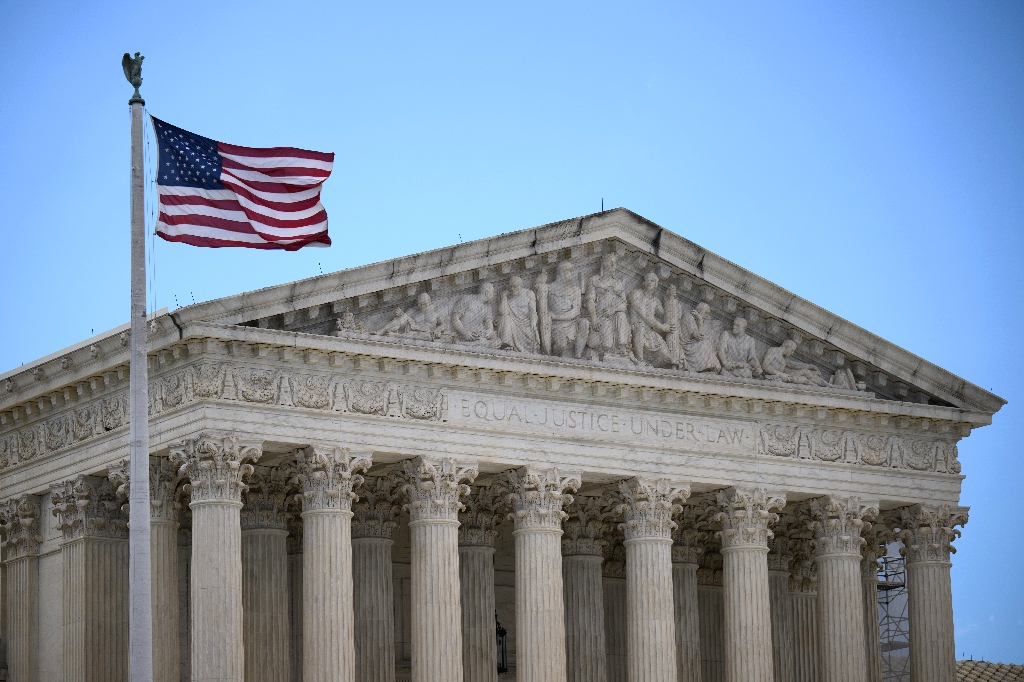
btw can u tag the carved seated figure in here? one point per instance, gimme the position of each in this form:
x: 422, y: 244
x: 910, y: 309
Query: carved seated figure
x: 736, y: 352
x: 697, y: 352
x: 424, y: 323
x: 779, y: 365
x: 473, y: 318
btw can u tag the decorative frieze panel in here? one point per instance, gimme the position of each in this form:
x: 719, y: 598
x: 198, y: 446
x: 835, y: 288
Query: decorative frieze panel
x: 88, y: 507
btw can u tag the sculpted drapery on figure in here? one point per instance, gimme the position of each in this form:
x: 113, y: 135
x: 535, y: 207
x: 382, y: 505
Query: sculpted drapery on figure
x: 518, y: 324
x: 736, y: 351
x: 424, y: 323
x: 779, y: 365
x: 563, y: 329
x: 644, y: 308
x: 473, y: 318
x: 606, y: 307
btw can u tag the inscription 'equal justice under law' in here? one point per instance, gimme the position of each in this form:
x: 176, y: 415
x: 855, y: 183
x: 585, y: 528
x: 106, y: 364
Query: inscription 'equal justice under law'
x: 582, y: 419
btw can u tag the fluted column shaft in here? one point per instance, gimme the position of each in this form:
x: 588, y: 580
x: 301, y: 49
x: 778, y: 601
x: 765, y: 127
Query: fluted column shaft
x: 805, y: 636
x: 872, y: 629
x: 782, y: 625
x: 687, y: 617
x: 295, y: 600
x: 23, y: 618
x: 584, y: 618
x: 745, y: 516
x: 434, y: 487
x: 374, y: 609
x: 476, y: 578
x: 614, y: 587
x: 328, y: 645
x: 163, y: 541
x: 711, y: 621
x: 265, y: 604
x: 927, y: 533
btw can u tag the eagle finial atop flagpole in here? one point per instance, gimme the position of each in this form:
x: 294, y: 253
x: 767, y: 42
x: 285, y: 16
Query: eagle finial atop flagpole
x: 133, y: 72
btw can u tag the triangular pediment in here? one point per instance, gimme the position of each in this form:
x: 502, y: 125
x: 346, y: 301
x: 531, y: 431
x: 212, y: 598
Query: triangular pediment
x: 463, y: 297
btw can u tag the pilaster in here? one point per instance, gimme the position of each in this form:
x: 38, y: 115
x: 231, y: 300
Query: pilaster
x: 583, y: 547
x: 326, y: 476
x: 537, y: 496
x: 744, y: 515
x: 836, y: 524
x: 647, y: 506
x: 94, y: 554
x: 435, y: 488
x: 20, y: 518
x: 217, y: 467
x: 928, y: 533
x: 477, y: 533
x: 373, y: 523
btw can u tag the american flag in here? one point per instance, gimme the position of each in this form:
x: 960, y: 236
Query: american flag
x: 217, y: 194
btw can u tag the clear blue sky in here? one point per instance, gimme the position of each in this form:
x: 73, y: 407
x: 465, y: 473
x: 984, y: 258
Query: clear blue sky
x: 867, y: 156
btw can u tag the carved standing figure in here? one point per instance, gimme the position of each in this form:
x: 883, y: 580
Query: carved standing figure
x: 518, y: 321
x: 561, y: 314
x: 606, y: 307
x: 644, y: 308
x: 736, y: 351
x: 673, y: 318
x: 779, y: 364
x: 697, y: 349
x: 473, y: 318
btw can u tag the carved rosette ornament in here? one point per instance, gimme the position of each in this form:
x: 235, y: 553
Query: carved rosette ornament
x: 88, y: 507
x: 744, y: 515
x: 538, y: 495
x: 375, y: 510
x: 265, y: 502
x: 837, y: 522
x: 689, y: 539
x: 584, y: 528
x: 481, y: 516
x: 20, y: 518
x: 434, y: 487
x: 647, y: 505
x: 216, y: 466
x: 164, y: 486
x: 326, y: 476
x: 928, y: 532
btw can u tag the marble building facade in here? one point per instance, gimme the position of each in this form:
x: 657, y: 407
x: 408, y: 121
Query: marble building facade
x: 647, y: 463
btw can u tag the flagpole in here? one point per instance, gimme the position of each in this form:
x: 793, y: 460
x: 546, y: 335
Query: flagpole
x: 140, y: 637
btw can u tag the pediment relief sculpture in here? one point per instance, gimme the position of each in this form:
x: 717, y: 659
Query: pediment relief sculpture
x: 607, y: 308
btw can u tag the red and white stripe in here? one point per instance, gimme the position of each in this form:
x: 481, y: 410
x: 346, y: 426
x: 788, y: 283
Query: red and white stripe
x: 270, y: 200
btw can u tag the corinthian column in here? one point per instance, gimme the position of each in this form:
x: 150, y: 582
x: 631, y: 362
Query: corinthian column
x: 876, y: 536
x: 94, y: 553
x: 687, y: 551
x: 476, y: 579
x: 582, y: 556
x: 20, y: 517
x: 163, y: 542
x: 779, y: 559
x: 265, y: 576
x: 216, y: 467
x: 327, y: 475
x: 614, y: 583
x: 537, y: 498
x: 711, y: 617
x: 836, y: 524
x: 434, y: 487
x: 803, y: 589
x: 374, y: 599
x: 927, y: 533
x: 647, y: 506
x: 745, y: 515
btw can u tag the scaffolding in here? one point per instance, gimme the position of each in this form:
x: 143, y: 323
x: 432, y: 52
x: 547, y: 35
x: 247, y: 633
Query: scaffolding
x: 892, y: 616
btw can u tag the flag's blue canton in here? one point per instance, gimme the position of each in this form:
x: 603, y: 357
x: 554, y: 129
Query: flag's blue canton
x: 186, y: 159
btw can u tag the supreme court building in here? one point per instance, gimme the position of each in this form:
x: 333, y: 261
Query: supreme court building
x: 645, y: 463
